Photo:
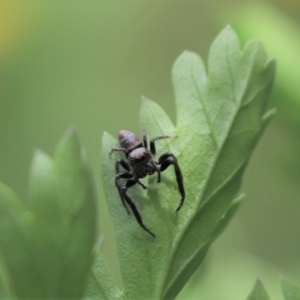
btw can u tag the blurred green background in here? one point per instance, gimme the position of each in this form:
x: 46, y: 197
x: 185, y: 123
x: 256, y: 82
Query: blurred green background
x: 88, y: 63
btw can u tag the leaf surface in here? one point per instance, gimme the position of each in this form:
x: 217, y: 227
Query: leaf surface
x: 101, y: 284
x: 290, y: 291
x: 220, y: 116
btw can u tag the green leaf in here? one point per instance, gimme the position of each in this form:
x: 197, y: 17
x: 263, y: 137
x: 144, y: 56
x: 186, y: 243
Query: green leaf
x: 14, y: 224
x: 290, y: 291
x: 101, y: 284
x: 48, y: 250
x: 258, y: 292
x: 282, y: 42
x: 220, y: 117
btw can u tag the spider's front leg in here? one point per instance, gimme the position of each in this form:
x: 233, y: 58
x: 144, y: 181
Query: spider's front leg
x: 152, y: 143
x: 127, y: 184
x: 118, y: 183
x: 166, y: 160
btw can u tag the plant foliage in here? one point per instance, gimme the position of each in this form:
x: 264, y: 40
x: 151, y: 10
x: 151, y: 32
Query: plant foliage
x: 258, y: 292
x: 221, y: 113
x: 290, y: 291
x: 47, y: 250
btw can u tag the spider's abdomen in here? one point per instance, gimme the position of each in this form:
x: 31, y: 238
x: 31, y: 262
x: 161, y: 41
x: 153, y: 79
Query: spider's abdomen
x: 128, y: 139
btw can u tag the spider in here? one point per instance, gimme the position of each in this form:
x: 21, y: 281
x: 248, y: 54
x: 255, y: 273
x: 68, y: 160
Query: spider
x: 140, y: 163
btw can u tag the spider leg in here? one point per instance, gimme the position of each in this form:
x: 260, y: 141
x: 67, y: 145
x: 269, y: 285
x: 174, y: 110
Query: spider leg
x: 119, y: 175
x: 167, y: 160
x: 152, y: 142
x: 141, y: 184
x: 144, y: 137
x: 127, y: 184
x: 158, y: 175
x: 115, y: 149
x: 118, y: 183
x: 123, y: 163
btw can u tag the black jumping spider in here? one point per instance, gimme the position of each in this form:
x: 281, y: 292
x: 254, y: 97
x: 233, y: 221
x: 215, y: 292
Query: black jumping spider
x: 141, y: 162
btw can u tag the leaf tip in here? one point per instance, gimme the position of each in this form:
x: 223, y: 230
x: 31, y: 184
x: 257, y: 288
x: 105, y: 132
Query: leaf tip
x: 72, y: 129
x: 106, y: 135
x: 71, y: 134
x: 69, y: 142
x: 228, y: 30
x: 258, y: 291
x: 146, y: 103
x: 39, y: 156
x: 187, y: 53
x: 108, y: 141
x: 41, y: 167
x: 186, y: 57
x: 37, y: 152
x: 146, y: 100
x: 228, y: 27
x: 257, y: 280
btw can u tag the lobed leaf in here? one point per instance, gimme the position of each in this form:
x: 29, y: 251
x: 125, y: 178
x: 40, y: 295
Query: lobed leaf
x: 220, y: 116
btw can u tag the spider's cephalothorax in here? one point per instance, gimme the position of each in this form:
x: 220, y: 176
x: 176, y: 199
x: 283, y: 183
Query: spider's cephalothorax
x: 140, y: 163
